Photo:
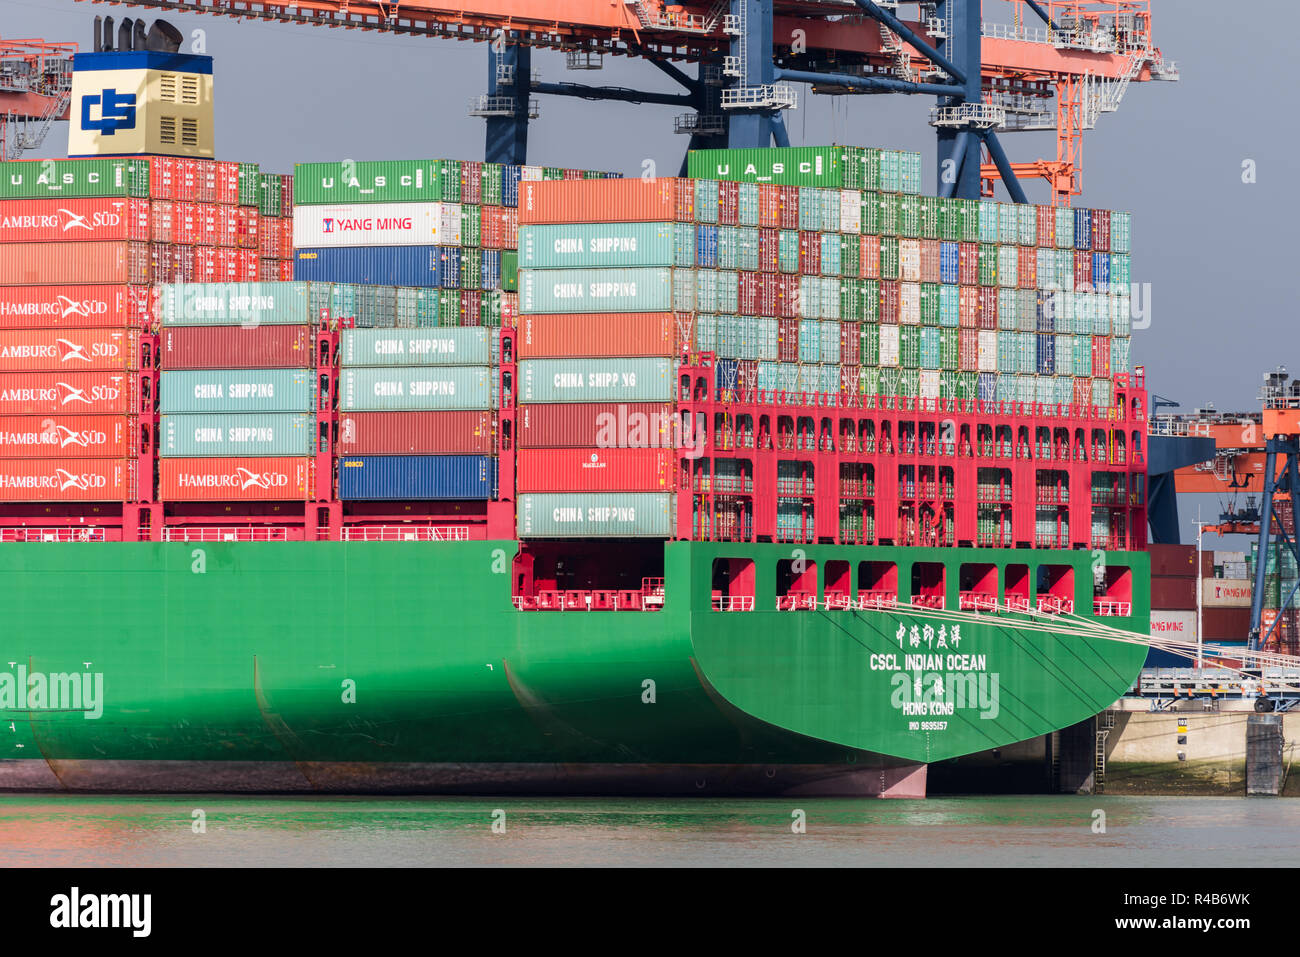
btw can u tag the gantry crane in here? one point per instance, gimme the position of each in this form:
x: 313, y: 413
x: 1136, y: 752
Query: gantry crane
x: 35, y: 90
x: 1058, y: 65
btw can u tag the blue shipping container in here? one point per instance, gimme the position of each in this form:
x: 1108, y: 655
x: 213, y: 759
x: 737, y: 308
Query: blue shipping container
x: 706, y: 247
x: 948, y: 261
x: 1101, y: 272
x: 510, y: 177
x: 1083, y: 229
x: 491, y: 269
x: 1046, y: 354
x: 380, y: 265
x: 400, y: 477
x: 987, y: 386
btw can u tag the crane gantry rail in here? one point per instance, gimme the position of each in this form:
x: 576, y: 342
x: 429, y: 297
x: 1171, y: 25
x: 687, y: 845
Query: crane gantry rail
x: 35, y: 90
x: 1058, y: 65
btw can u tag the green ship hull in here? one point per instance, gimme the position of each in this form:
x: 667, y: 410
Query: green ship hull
x: 338, y: 666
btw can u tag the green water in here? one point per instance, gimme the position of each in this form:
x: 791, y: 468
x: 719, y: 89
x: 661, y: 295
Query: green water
x: 81, y: 831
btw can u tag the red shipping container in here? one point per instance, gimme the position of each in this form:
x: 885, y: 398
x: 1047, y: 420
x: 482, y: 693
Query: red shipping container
x: 93, y: 436
x: 988, y: 311
x: 769, y: 205
x: 789, y: 207
x: 162, y: 177
x: 74, y: 220
x: 286, y: 238
x: 968, y: 307
x: 1101, y: 230
x: 1047, y: 226
x: 747, y: 375
x: 1177, y: 561
x: 787, y: 340
x: 787, y: 296
x: 249, y: 266
x: 227, y: 226
x: 471, y: 307
x: 268, y: 270
x: 599, y: 200
x: 1083, y: 271
x: 930, y: 260
x: 1101, y: 357
x: 769, y: 295
x: 728, y: 204
x: 206, y: 180
x: 490, y: 226
x: 236, y: 347
x: 850, y: 343
x: 598, y: 334
x: 889, y: 302
x: 71, y: 307
x: 234, y: 479
x: 67, y: 480
x: 769, y: 250
x: 209, y: 224
x: 1218, y: 624
x: 227, y: 183
x: 1083, y: 392
x: 1027, y: 268
x: 509, y: 309
x: 849, y: 378
x: 205, y: 264
x: 187, y: 224
x: 51, y: 350
x: 596, y: 470
x: 416, y: 433
x: 747, y: 293
x: 583, y: 425
x: 42, y: 264
x: 247, y: 221
x: 968, y: 264
x: 968, y: 350
x: 810, y: 253
x: 286, y: 270
x: 1173, y: 594
x: 471, y: 182
x: 66, y: 393
x: 161, y: 223
x: 869, y: 258
x: 187, y: 178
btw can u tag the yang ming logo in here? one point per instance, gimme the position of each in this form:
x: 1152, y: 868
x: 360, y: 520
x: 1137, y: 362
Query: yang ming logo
x: 116, y: 112
x: 329, y: 224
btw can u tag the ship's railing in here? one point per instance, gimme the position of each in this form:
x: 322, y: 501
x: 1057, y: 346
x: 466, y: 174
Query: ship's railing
x: 219, y: 533
x: 89, y: 533
x: 733, y: 603
x: 652, y: 592
x: 405, y: 533
x: 928, y: 601
x: 838, y: 601
x: 1055, y: 605
x: 975, y: 601
x: 1111, y: 608
x: 589, y: 600
x: 797, y: 601
x: 1017, y: 603
x: 877, y: 600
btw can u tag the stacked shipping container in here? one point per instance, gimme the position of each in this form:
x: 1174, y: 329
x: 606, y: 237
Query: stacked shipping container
x: 237, y: 394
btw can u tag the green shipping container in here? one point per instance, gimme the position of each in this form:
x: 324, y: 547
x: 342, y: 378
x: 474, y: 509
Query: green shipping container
x: 589, y: 515
x: 415, y: 389
x: 250, y: 184
x: 77, y: 178
x: 271, y: 201
x: 220, y: 434
x: 783, y: 166
x: 608, y: 245
x: 510, y: 270
x: 595, y: 290
x: 596, y: 380
x: 402, y: 181
x: 871, y: 214
x: 237, y: 390
x: 466, y: 346
x: 471, y: 225
x: 237, y: 304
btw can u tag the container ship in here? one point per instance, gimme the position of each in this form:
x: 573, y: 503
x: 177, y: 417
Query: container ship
x: 447, y: 476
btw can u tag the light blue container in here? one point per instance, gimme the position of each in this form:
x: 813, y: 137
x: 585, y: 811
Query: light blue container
x: 596, y: 380
x: 415, y: 389
x: 597, y: 515
x: 238, y: 390
x: 600, y: 245
x: 545, y: 291
x: 230, y: 433
x: 235, y: 304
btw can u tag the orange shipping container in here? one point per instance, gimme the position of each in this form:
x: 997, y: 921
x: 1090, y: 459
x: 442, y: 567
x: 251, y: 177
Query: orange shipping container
x: 66, y: 393
x: 87, y: 350
x: 234, y: 479
x: 596, y: 470
x: 40, y: 436
x: 73, y: 307
x: 46, y: 264
x: 606, y: 201
x: 67, y: 480
x: 597, y: 334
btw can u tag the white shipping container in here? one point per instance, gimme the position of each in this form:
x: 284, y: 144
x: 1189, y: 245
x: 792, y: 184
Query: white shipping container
x: 530, y: 174
x: 929, y: 384
x: 909, y: 302
x: 1226, y: 592
x: 988, y: 354
x: 1222, y: 558
x: 1180, y: 625
x: 850, y: 211
x: 377, y: 224
x: 909, y: 260
x: 889, y: 346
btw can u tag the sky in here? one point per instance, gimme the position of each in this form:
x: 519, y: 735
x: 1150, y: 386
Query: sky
x: 1218, y: 252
